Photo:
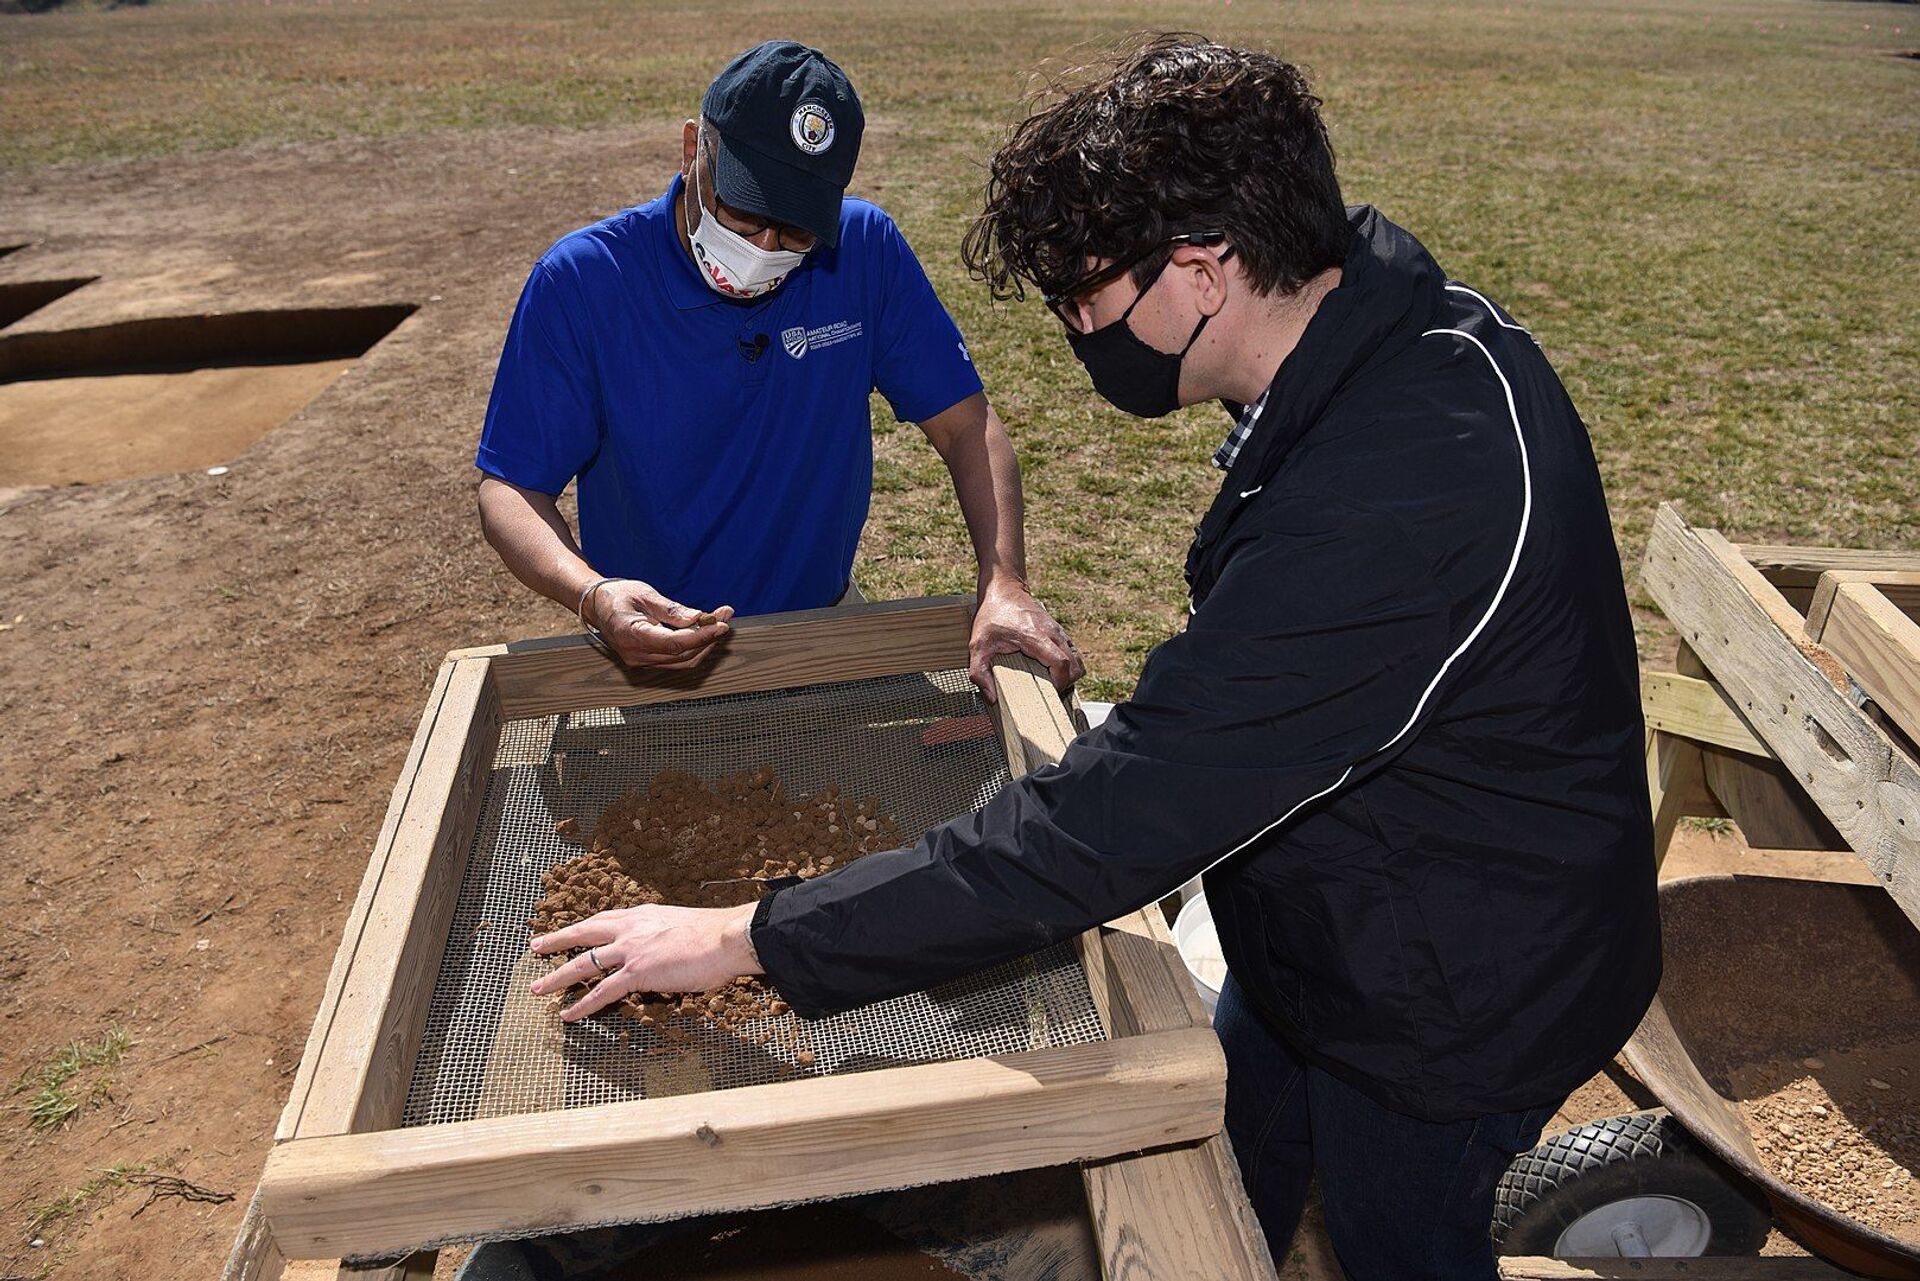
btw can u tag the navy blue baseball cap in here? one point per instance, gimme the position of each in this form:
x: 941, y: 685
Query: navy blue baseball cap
x: 788, y: 127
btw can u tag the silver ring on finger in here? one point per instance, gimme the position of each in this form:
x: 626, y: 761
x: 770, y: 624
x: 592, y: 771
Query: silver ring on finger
x: 593, y: 955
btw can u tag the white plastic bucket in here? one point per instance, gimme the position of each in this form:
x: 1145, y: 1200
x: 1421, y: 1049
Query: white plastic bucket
x: 1199, y: 945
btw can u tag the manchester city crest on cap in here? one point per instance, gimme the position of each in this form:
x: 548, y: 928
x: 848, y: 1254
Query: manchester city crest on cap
x: 812, y: 128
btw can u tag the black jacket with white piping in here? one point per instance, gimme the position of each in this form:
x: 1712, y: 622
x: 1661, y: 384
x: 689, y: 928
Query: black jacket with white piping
x: 1401, y: 734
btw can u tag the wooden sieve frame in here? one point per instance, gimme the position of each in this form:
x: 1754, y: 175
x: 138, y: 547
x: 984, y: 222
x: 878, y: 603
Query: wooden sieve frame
x: 344, y: 1178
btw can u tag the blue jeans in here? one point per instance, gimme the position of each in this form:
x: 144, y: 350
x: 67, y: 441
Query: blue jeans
x: 1404, y: 1199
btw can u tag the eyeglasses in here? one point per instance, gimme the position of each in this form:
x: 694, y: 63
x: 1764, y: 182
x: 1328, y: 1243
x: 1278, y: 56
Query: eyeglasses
x: 793, y: 239
x: 1065, y: 304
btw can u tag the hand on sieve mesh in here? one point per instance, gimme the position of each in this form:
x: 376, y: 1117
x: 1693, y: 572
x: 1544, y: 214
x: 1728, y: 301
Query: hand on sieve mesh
x: 655, y: 948
x: 646, y: 629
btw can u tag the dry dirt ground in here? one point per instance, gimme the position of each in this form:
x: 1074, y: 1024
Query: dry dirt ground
x: 212, y: 681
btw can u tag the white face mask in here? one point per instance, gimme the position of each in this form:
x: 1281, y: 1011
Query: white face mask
x: 731, y: 264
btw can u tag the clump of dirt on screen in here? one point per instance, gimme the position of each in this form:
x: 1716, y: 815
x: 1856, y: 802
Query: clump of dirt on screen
x: 681, y: 840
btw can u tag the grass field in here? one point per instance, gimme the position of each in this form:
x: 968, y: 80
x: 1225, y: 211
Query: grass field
x: 1705, y: 211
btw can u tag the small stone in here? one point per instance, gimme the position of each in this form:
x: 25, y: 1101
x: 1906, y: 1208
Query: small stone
x: 1813, y: 1063
x: 1878, y: 1084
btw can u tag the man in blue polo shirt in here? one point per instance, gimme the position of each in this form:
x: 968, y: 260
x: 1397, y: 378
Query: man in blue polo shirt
x: 702, y: 364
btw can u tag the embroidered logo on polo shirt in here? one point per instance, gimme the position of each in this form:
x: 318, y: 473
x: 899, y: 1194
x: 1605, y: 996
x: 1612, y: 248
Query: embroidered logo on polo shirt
x: 800, y: 340
x: 812, y: 128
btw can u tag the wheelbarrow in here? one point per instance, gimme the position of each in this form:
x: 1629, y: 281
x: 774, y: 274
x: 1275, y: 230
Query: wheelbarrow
x: 1758, y: 969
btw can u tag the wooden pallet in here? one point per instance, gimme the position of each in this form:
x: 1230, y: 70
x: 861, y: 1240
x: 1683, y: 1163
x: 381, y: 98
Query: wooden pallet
x: 345, y: 1178
x: 1799, y: 726
x: 1792, y: 711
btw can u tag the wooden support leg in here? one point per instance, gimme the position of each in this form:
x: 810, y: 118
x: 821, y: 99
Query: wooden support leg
x: 1178, y: 1212
x: 1677, y: 786
x: 254, y: 1256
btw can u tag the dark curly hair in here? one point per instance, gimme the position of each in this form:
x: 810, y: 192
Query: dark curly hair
x: 1182, y: 134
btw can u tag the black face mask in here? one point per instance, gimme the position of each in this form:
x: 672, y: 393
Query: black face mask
x: 1133, y: 377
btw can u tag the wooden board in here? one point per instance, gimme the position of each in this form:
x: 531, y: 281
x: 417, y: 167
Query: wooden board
x: 1177, y: 1212
x: 1689, y: 707
x: 773, y: 651
x: 1879, y: 645
x: 1735, y: 621
x: 1677, y: 787
x: 1785, y: 566
x: 1900, y: 587
x: 1796, y: 571
x: 365, y: 1054
x: 253, y: 1256
x: 1180, y: 1212
x: 1766, y: 803
x: 740, y: 1149
x: 362, y: 904
x: 384, y: 970
x: 1705, y: 761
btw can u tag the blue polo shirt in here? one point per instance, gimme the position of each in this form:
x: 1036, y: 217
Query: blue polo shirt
x: 724, y: 450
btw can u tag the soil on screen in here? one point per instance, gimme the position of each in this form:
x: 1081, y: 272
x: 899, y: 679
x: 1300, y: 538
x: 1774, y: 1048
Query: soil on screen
x: 680, y: 840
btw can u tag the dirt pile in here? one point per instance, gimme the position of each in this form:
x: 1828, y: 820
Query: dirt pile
x: 1842, y: 1128
x: 681, y: 840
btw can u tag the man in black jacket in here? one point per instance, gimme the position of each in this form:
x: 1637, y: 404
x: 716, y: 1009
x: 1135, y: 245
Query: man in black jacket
x: 1400, y: 734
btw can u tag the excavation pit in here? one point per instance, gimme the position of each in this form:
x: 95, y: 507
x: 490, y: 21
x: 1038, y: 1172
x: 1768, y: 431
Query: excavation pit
x: 23, y: 298
x: 149, y: 397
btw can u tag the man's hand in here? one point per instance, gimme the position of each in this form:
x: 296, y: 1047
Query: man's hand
x: 1010, y: 621
x: 648, y: 949
x: 647, y: 630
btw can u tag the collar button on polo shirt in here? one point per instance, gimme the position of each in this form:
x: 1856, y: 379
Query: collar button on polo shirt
x: 724, y: 451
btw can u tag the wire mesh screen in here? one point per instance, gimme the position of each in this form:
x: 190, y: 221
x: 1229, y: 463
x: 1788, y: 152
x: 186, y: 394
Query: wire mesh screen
x: 918, y: 745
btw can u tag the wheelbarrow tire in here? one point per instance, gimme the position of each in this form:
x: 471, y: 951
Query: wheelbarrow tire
x: 1642, y: 1154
